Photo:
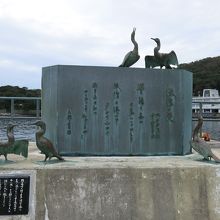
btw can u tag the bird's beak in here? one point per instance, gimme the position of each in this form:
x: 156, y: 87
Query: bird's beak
x: 33, y: 123
x: 152, y: 38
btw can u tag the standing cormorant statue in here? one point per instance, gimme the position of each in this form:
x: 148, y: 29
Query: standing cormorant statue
x: 161, y: 59
x: 5, y: 146
x: 201, y: 146
x: 132, y: 56
x: 44, y: 144
x: 19, y: 147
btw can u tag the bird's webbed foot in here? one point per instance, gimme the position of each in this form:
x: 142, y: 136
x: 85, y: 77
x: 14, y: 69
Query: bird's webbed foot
x: 6, y: 156
x: 168, y: 67
x: 45, y: 158
x: 206, y: 158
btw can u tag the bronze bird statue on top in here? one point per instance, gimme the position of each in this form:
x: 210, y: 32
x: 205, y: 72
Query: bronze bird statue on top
x: 5, y: 146
x: 161, y: 59
x: 132, y: 56
x: 44, y: 144
x: 201, y: 146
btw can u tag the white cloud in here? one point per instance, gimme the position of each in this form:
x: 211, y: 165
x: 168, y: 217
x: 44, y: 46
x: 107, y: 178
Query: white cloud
x: 36, y: 33
x: 19, y: 66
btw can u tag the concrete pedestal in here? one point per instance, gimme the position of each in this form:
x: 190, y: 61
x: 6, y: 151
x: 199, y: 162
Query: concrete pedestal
x: 117, y: 111
x: 119, y: 188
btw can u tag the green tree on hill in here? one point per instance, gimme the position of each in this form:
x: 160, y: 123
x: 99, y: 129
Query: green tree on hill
x: 15, y: 91
x: 206, y: 73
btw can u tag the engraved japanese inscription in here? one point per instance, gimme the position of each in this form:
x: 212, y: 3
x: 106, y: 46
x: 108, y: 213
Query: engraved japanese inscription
x: 155, y: 125
x: 14, y: 195
x: 170, y: 104
x: 69, y: 118
x: 95, y: 98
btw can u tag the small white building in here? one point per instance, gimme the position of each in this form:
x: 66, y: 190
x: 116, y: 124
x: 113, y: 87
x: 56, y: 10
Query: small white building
x: 210, y: 101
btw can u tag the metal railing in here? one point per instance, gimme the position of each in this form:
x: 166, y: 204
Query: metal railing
x: 210, y: 109
x: 200, y: 101
x: 12, y: 106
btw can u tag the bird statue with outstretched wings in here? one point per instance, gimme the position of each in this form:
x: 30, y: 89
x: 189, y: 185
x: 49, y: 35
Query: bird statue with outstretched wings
x: 161, y: 59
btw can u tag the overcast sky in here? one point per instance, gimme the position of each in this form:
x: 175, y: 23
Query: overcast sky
x: 37, y: 33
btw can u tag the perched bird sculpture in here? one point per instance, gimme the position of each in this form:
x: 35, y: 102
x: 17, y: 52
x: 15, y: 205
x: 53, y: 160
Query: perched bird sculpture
x: 19, y: 147
x: 132, y: 56
x: 5, y: 147
x: 161, y: 59
x: 150, y: 62
x: 44, y: 144
x: 201, y: 146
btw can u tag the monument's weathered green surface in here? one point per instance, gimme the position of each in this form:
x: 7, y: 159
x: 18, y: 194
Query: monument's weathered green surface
x: 117, y: 111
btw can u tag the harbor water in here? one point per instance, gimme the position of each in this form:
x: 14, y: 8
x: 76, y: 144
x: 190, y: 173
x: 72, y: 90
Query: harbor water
x: 210, y: 126
x: 24, y: 129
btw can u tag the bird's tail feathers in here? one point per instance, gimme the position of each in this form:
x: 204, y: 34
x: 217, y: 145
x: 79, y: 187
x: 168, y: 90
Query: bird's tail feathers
x: 59, y: 157
x: 216, y: 158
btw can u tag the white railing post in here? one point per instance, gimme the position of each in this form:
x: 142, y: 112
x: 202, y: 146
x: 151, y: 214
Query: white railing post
x: 38, y: 108
x: 200, y: 108
x: 12, y: 108
x: 12, y: 105
x: 200, y: 112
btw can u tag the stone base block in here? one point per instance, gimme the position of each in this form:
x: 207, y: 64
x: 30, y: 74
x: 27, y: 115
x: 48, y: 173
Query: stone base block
x: 117, y: 111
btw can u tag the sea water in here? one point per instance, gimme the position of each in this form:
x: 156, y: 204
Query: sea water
x: 24, y: 129
x: 212, y: 127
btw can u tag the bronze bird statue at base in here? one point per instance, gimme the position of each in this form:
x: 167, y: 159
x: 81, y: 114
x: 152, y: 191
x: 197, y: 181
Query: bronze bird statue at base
x: 44, y: 144
x: 201, y: 146
x: 5, y: 146
x: 132, y: 56
x: 161, y: 59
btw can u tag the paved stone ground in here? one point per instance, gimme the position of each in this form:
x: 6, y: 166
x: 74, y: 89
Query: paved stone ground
x: 35, y: 161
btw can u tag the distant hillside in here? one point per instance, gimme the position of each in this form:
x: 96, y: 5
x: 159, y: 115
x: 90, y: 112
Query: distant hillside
x: 19, y: 92
x: 206, y: 73
x: 15, y: 91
